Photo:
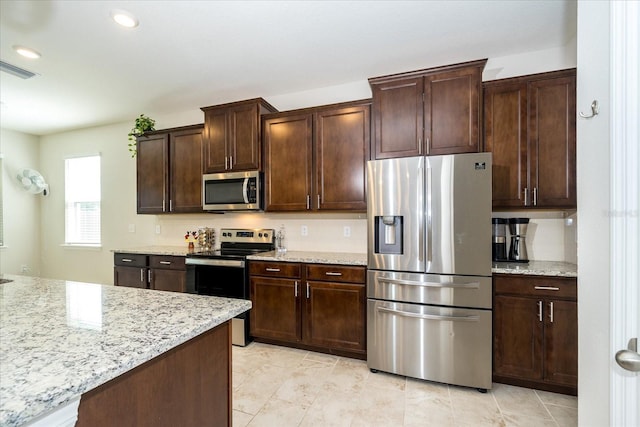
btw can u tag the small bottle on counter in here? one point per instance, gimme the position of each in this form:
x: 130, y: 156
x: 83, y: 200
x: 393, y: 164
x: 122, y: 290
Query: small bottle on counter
x: 280, y: 241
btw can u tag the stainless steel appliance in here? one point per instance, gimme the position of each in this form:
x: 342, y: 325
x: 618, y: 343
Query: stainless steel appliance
x: 499, y: 239
x: 429, y: 297
x: 518, y: 247
x: 232, y: 191
x: 222, y: 272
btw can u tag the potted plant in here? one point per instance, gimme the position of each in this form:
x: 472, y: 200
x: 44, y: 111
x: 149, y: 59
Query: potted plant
x: 142, y: 124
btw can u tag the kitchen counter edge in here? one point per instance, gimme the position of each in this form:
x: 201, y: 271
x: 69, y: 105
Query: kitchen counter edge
x: 342, y: 258
x: 536, y: 268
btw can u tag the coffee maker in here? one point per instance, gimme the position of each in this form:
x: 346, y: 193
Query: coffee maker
x: 518, y: 247
x: 499, y: 239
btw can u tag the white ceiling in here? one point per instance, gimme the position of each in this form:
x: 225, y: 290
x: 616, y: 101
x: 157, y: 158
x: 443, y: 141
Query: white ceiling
x: 189, y: 54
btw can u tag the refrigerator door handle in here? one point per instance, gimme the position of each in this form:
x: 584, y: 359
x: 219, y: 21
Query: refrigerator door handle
x: 429, y: 194
x: 421, y: 224
x: 471, y: 318
x: 470, y: 285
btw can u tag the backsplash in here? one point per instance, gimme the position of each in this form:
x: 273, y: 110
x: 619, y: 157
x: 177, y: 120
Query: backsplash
x: 551, y: 236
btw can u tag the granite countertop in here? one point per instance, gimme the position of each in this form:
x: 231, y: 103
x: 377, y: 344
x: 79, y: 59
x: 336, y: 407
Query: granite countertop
x: 59, y: 339
x: 157, y: 250
x: 344, y: 258
x: 538, y: 268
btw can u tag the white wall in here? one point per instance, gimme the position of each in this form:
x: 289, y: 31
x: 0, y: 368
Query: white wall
x: 21, y: 209
x: 593, y: 173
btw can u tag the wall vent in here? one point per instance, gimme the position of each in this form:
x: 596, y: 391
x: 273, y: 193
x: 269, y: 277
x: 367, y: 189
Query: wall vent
x: 16, y: 71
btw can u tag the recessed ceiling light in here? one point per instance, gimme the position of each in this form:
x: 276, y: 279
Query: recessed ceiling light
x: 124, y: 18
x: 27, y: 52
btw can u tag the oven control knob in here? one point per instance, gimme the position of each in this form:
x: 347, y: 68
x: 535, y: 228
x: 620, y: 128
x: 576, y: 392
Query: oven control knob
x: 259, y: 234
x: 266, y: 235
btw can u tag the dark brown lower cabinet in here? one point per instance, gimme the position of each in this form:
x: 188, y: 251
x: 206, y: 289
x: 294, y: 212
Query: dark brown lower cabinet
x: 320, y: 307
x: 535, y: 340
x: 159, y: 272
x: 189, y: 385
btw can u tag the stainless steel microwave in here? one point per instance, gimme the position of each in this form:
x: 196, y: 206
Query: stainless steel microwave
x: 232, y: 191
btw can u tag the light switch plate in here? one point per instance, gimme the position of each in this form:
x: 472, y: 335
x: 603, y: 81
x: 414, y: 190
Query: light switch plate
x: 347, y: 231
x: 157, y: 229
x: 304, y: 231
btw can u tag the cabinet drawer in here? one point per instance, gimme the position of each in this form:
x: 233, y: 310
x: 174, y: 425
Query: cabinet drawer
x: 276, y: 269
x: 536, y: 286
x: 130, y: 260
x: 336, y: 273
x: 167, y: 262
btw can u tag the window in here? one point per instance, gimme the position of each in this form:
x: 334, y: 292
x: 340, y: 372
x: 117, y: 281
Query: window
x: 82, y: 200
x: 1, y: 218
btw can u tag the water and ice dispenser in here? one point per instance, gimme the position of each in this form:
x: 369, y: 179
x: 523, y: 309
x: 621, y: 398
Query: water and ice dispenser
x: 388, y: 234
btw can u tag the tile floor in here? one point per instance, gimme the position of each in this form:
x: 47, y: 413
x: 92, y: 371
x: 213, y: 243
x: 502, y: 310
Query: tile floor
x: 279, y: 386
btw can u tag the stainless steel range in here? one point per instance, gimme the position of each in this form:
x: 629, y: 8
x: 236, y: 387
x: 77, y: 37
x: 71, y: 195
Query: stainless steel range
x: 222, y: 272
x: 429, y: 294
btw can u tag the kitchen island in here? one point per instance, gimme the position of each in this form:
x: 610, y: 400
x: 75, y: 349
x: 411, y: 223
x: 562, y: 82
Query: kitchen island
x: 120, y: 356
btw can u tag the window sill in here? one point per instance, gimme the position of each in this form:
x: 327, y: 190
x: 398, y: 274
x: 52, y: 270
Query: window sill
x: 80, y: 246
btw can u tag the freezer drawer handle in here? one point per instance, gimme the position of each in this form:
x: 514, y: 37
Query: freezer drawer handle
x: 471, y: 318
x: 471, y: 285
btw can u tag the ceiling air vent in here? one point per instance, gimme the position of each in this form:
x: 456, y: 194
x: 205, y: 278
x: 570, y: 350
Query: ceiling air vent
x: 16, y: 71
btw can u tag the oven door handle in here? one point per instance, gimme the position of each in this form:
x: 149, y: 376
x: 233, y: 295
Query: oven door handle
x: 214, y: 262
x: 469, y: 285
x: 472, y: 318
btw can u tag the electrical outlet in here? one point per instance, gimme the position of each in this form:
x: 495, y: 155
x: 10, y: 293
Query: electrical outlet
x: 24, y: 269
x: 347, y: 231
x: 157, y: 229
x: 304, y: 231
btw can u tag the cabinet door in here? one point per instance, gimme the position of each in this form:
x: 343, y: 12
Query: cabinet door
x: 288, y: 158
x: 398, y: 118
x: 152, y: 178
x: 561, y: 342
x: 185, y: 171
x: 341, y: 152
x: 517, y: 341
x: 552, y: 141
x: 215, y: 137
x: 133, y: 277
x: 505, y: 135
x: 275, y: 312
x: 334, y: 315
x: 244, y: 141
x: 452, y: 111
x: 168, y: 280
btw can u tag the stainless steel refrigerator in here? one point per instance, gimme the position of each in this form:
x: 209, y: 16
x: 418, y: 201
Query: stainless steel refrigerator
x: 429, y: 296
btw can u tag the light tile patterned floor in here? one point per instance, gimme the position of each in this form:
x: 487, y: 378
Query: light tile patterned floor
x: 279, y: 386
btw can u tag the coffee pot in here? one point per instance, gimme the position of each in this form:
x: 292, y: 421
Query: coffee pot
x: 518, y: 247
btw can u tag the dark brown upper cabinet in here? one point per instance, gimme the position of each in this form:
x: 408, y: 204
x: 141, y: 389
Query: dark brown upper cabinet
x: 428, y: 112
x: 232, y: 135
x: 169, y: 171
x: 530, y: 127
x: 315, y: 158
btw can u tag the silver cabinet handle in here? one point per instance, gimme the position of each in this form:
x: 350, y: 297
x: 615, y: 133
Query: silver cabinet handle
x: 526, y: 195
x: 551, y: 312
x: 629, y: 359
x: 307, y: 290
x: 230, y: 162
x: 470, y: 285
x: 126, y: 260
x: 546, y: 288
x: 142, y: 274
x: 471, y: 318
x: 274, y: 270
x: 333, y: 273
x: 318, y: 201
x: 226, y: 162
x: 295, y: 293
x: 535, y: 196
x: 170, y: 205
x: 149, y: 275
x: 539, y: 311
x: 308, y: 201
x: 165, y: 262
x: 163, y: 205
